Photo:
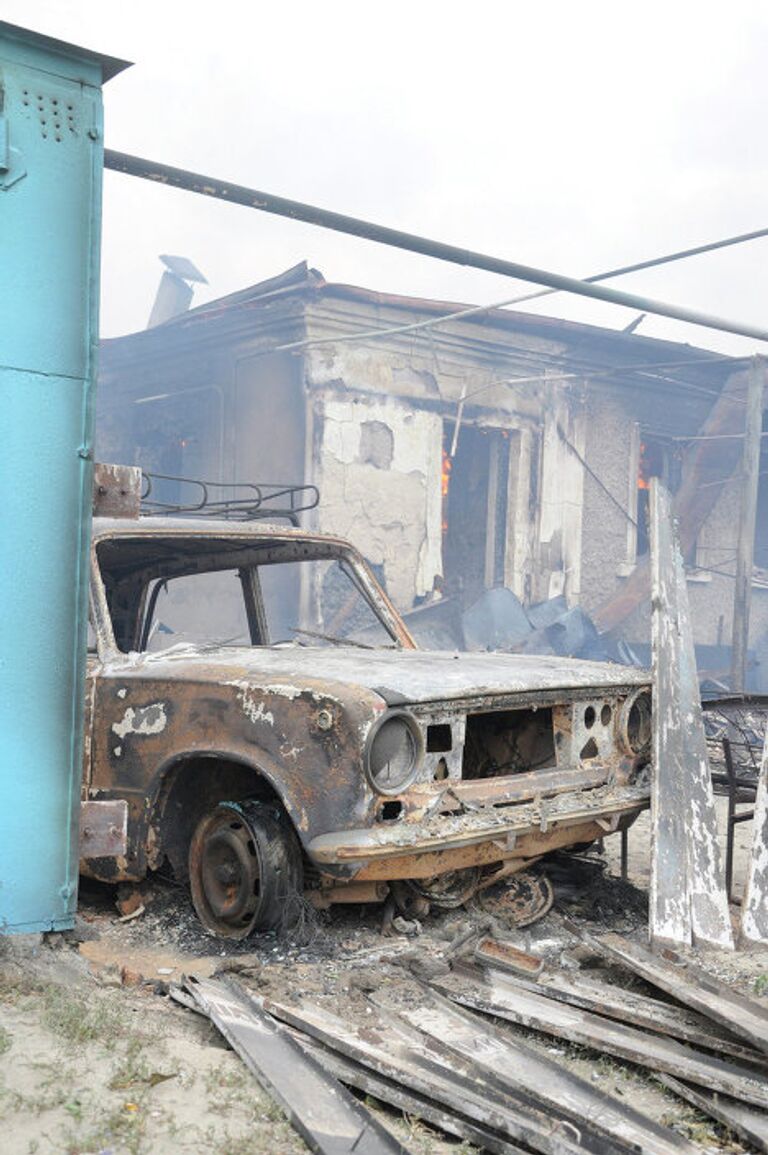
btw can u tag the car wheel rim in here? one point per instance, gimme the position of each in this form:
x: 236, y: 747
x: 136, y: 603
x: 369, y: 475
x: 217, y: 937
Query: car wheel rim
x: 226, y: 881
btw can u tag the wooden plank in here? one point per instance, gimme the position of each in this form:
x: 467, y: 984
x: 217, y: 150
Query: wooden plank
x: 745, y: 546
x: 652, y: 1051
x: 687, y: 893
x: 400, y: 1055
x: 750, y: 1125
x: 491, y: 952
x: 509, y: 1062
x: 754, y: 910
x: 615, y: 1002
x: 742, y: 1016
x: 116, y: 490
x: 403, y: 1099
x: 328, y: 1118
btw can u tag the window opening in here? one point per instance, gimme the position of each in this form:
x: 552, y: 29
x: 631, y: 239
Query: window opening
x: 196, y: 609
x: 474, y: 486
x: 660, y: 458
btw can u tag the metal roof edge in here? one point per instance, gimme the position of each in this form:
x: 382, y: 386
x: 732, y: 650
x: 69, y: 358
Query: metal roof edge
x: 110, y: 65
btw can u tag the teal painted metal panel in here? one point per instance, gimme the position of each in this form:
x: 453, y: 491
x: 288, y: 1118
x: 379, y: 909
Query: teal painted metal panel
x: 51, y: 157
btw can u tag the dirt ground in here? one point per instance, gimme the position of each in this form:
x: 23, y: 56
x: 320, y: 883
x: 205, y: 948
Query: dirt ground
x: 96, y: 1059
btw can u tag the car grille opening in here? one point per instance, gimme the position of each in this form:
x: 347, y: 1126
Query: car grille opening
x: 508, y: 742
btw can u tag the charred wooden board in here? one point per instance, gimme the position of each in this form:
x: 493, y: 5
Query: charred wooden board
x: 508, y: 1063
x: 625, y: 1006
x: 754, y: 912
x: 328, y: 1118
x: 400, y: 1054
x: 691, y: 986
x: 687, y: 894
x: 403, y: 1098
x: 589, y: 1030
x: 748, y: 1124
x: 490, y: 952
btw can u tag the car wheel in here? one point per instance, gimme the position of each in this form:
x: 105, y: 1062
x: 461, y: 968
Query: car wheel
x: 244, y: 869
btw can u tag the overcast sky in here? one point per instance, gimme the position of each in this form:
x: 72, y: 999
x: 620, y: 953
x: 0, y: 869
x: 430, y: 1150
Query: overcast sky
x: 575, y: 135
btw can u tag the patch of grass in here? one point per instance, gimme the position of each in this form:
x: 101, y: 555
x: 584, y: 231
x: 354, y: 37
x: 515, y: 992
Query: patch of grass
x: 133, y: 1070
x: 14, y: 1103
x: 122, y: 1128
x: 761, y: 985
x: 218, y: 1076
x: 77, y: 1019
x: 273, y: 1112
x: 6, y: 1040
x: 11, y: 1102
x: 230, y: 1088
x: 14, y: 987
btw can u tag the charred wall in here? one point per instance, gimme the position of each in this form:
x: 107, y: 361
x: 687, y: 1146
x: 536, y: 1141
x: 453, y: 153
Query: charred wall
x: 616, y: 421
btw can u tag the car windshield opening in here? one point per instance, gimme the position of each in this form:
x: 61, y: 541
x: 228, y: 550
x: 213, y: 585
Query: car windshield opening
x: 239, y: 597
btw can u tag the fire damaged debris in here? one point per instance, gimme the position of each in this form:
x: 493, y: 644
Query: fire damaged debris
x: 688, y: 901
x: 499, y: 621
x: 691, y: 986
x: 259, y: 707
x: 602, y: 1123
x: 614, y: 1001
x: 496, y: 994
x: 327, y: 1117
x: 754, y: 914
x: 496, y: 621
x: 749, y: 1124
x: 469, y: 1078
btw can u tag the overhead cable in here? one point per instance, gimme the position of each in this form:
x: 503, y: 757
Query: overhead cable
x: 476, y: 310
x: 550, y: 378
x: 411, y: 242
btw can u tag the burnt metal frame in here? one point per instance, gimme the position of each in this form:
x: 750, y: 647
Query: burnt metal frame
x: 242, y: 501
x: 737, y: 786
x: 106, y: 644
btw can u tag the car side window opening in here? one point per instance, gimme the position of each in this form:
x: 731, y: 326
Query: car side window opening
x: 204, y: 608
x: 307, y: 602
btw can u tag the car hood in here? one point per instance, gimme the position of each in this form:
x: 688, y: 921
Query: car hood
x: 398, y: 676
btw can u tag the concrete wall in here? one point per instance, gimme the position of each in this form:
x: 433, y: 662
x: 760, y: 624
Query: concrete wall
x: 379, y: 412
x: 378, y: 468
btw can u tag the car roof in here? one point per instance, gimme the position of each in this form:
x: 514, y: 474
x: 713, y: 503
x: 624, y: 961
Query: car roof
x: 206, y: 527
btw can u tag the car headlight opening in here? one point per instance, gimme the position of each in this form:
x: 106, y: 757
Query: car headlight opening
x: 636, y: 723
x: 394, y: 752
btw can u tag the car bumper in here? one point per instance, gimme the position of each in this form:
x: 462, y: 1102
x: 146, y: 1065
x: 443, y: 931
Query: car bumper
x: 501, y: 826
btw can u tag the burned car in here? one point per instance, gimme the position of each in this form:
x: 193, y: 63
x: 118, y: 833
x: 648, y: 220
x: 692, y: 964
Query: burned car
x: 259, y: 718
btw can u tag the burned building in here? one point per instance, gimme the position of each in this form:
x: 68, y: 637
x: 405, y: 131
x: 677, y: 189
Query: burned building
x: 494, y: 449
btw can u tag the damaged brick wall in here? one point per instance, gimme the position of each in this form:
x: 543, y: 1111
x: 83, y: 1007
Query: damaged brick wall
x: 614, y: 422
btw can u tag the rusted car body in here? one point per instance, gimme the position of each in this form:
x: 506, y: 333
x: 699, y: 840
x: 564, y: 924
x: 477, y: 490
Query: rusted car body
x: 311, y: 747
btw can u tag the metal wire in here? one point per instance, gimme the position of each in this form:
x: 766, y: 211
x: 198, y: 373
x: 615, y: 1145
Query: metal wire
x: 477, y: 310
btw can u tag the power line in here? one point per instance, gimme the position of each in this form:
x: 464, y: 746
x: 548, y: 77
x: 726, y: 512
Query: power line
x: 546, y: 378
x: 586, y: 466
x: 411, y: 242
x: 475, y: 310
x: 715, y: 437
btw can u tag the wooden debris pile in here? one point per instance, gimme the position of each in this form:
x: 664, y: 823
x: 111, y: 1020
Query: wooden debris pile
x: 443, y: 1052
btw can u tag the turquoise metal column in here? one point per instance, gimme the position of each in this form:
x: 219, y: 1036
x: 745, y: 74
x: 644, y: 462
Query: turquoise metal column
x: 51, y: 155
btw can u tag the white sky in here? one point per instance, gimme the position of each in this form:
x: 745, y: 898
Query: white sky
x: 575, y: 135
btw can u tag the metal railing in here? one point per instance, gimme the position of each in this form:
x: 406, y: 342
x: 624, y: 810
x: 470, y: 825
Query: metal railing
x: 164, y: 495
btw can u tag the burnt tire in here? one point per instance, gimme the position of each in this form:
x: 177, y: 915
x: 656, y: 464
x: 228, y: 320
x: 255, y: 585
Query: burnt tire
x: 245, y: 869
